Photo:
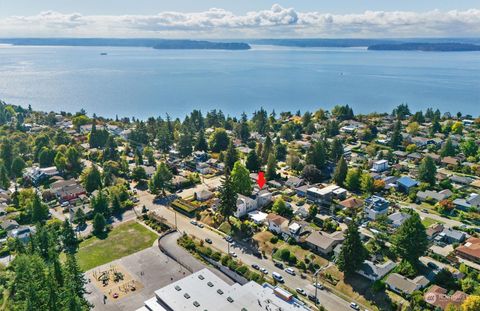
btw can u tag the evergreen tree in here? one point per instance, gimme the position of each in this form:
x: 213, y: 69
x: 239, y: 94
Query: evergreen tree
x: 4, y: 179
x: 161, y: 179
x: 353, y: 252
x: 69, y: 239
x: 39, y: 210
x: 164, y: 138
x: 92, y: 179
x: 271, y: 171
x: 410, y: 240
x: 448, y: 150
x: 340, y: 172
x: 116, y: 205
x: 80, y: 218
x: 253, y: 162
x: 201, y: 143
x: 219, y: 140
x: 18, y: 164
x: 231, y: 156
x: 99, y: 224
x: 267, y: 149
x: 185, y: 145
x: 396, y: 139
x: 311, y: 173
x: 243, y: 131
x: 60, y: 162
x: 99, y: 204
x: 427, y: 171
x: 317, y: 155
x: 228, y: 198
x: 6, y: 154
x: 240, y: 178
x: 110, y: 152
x: 73, y: 160
x: 336, y: 149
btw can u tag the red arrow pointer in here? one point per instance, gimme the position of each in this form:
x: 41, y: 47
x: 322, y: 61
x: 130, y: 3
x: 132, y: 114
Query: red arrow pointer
x: 261, y: 179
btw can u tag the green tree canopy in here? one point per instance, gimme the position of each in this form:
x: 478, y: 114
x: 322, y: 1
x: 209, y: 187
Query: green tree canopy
x: 353, y: 252
x: 410, y: 240
x: 241, y: 179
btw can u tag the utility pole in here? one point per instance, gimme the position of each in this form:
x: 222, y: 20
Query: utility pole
x: 316, y: 281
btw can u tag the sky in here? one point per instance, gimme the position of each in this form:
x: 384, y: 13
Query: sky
x: 240, y: 18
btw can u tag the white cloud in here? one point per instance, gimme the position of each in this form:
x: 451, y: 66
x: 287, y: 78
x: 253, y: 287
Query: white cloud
x: 275, y: 22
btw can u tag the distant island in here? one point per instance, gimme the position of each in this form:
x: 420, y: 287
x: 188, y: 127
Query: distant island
x: 200, y: 45
x: 426, y: 47
x: 153, y: 43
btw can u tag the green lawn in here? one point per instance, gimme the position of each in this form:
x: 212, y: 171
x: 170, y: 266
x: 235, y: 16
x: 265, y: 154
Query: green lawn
x: 123, y: 240
x: 427, y: 222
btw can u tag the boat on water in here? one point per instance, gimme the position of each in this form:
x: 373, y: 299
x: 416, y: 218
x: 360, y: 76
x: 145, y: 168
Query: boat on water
x: 103, y: 53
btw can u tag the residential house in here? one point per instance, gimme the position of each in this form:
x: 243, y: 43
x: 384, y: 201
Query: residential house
x: 403, y: 285
x: 406, y: 183
x: 376, y: 206
x: 244, y: 206
x: 351, y: 203
x: 323, y: 242
x: 461, y: 180
x: 258, y: 217
x: 450, y: 236
x: 326, y: 194
x: 472, y: 201
x: 22, y: 233
x: 449, y: 161
x: 380, y: 166
x: 434, y: 230
x: 200, y: 156
x: 375, y: 271
x: 470, y: 250
x: 438, y: 297
x: 398, y: 218
x: 36, y: 174
x: 277, y: 223
x: 67, y: 190
x: 302, y: 190
x: 9, y: 224
x: 294, y: 182
x: 203, y: 195
x: 436, y: 196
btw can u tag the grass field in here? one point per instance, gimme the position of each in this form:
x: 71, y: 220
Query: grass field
x: 427, y: 222
x: 123, y: 240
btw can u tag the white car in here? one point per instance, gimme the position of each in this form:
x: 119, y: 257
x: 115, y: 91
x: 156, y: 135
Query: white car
x: 301, y: 291
x: 318, y: 286
x: 233, y: 254
x: 263, y: 270
x: 354, y: 306
x: 290, y: 271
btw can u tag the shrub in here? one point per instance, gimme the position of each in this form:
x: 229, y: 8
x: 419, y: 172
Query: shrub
x: 284, y: 254
x: 274, y: 239
x: 242, y: 270
x: 216, y: 256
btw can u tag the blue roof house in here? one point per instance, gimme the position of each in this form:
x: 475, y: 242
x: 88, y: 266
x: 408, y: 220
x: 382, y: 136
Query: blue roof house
x: 406, y: 183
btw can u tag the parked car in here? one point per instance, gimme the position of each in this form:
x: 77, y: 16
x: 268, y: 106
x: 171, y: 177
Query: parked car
x: 425, y: 210
x: 318, y: 286
x: 233, y: 254
x: 278, y: 264
x: 432, y: 265
x: 354, y: 306
x: 264, y: 271
x: 255, y: 266
x: 193, y: 222
x: 301, y: 291
x: 278, y: 277
x: 312, y: 297
x: 209, y: 241
x: 290, y: 271
x: 229, y: 239
x: 200, y: 225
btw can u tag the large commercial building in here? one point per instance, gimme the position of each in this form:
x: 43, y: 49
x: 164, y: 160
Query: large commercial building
x: 204, y: 290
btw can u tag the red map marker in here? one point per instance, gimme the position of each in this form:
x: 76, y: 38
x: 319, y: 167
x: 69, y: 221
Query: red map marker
x: 261, y: 179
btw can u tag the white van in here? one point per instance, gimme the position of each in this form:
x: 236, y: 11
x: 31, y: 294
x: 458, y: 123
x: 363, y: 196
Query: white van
x: 277, y: 277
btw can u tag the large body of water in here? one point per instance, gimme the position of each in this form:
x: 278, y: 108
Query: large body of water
x: 145, y: 82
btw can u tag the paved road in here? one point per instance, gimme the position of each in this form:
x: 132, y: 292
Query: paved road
x: 449, y: 222
x: 327, y: 299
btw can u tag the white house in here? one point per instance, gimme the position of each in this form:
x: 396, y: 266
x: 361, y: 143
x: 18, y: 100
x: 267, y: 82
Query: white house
x: 277, y: 223
x: 244, y: 206
x: 380, y: 166
x: 374, y: 271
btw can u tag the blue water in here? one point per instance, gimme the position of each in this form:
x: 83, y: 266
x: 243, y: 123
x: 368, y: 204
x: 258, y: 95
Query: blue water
x: 144, y: 82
